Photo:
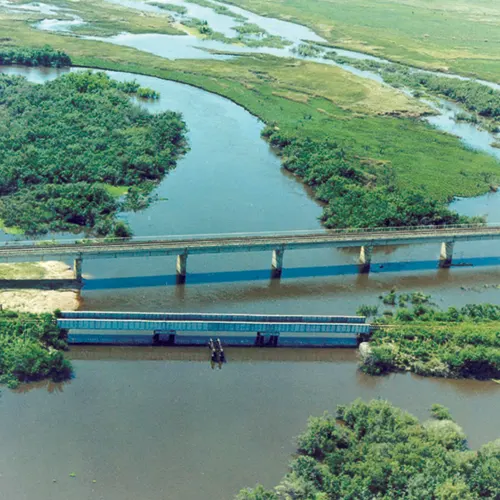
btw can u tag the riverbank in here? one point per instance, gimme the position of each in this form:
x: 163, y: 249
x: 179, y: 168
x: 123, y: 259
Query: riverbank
x: 457, y: 343
x: 42, y: 299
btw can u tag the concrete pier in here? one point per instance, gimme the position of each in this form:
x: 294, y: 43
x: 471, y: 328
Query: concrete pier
x: 182, y: 246
x: 365, y: 258
x: 446, y: 255
x: 277, y: 263
x: 77, y: 268
x: 181, y: 268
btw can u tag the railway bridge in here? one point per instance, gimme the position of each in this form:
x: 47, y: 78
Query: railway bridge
x: 277, y: 243
x: 146, y: 328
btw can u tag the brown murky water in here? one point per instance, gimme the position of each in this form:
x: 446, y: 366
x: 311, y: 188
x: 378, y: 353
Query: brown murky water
x: 160, y: 423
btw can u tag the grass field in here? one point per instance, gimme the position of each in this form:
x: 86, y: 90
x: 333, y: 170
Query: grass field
x: 303, y: 98
x: 309, y: 99
x: 104, y: 19
x: 461, y: 36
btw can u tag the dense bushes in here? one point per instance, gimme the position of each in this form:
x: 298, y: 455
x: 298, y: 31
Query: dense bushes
x: 65, y: 207
x: 375, y: 450
x: 30, y: 348
x: 357, y: 193
x: 475, y: 96
x: 45, y: 56
x: 461, y: 342
x: 62, y: 141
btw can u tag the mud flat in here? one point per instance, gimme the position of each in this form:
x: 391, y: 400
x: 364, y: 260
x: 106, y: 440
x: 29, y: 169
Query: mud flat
x: 38, y: 287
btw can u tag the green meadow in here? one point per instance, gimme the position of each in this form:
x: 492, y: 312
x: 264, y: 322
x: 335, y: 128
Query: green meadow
x: 461, y: 36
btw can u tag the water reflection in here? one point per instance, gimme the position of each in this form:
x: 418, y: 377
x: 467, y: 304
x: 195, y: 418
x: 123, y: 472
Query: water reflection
x: 47, y: 385
x: 293, y: 273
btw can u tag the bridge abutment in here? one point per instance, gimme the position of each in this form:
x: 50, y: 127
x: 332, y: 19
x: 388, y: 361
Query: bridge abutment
x: 446, y: 256
x: 277, y: 263
x: 181, y: 268
x: 365, y: 258
x: 77, y: 269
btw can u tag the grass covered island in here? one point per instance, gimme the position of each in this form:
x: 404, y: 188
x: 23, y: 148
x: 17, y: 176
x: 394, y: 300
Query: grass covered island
x: 31, y: 348
x: 67, y: 144
x: 458, y: 343
x: 375, y: 450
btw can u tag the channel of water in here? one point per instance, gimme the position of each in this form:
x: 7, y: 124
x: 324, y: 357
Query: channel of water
x: 160, y: 423
x: 189, y: 46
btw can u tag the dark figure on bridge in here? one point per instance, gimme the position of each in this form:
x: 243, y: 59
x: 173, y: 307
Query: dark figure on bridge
x: 222, y: 356
x: 214, y: 355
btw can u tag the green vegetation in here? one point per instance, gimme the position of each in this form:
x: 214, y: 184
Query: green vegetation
x: 45, y: 56
x: 63, y: 144
x: 250, y: 29
x: 33, y: 270
x: 358, y: 193
x: 460, y: 36
x: 108, y: 19
x: 374, y: 450
x: 456, y: 343
x: 307, y: 50
x: 172, y: 7
x: 201, y: 26
x: 219, y: 9
x: 250, y: 35
x: 371, y: 125
x: 475, y: 96
x: 31, y: 348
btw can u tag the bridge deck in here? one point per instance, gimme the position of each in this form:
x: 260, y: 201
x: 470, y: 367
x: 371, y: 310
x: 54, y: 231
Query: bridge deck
x: 136, y: 247
x: 209, y: 317
x: 185, y: 329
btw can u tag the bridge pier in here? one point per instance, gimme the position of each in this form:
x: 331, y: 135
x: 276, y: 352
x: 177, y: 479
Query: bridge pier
x: 446, y: 255
x: 365, y: 258
x: 181, y: 268
x: 277, y: 263
x: 77, y: 269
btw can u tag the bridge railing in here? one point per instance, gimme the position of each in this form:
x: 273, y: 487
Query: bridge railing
x: 225, y: 236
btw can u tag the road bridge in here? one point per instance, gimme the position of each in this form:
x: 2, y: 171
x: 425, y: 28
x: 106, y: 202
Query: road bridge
x: 277, y: 243
x: 136, y: 328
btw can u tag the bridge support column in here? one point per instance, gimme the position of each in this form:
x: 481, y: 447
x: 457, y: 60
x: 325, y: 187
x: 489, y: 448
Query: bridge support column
x: 77, y: 268
x: 446, y: 255
x: 277, y: 263
x: 181, y: 268
x: 365, y: 258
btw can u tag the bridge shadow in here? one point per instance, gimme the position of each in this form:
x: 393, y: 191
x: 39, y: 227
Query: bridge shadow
x: 290, y: 273
x: 42, y: 284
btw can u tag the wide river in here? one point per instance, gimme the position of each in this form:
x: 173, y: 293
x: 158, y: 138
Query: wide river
x: 159, y: 423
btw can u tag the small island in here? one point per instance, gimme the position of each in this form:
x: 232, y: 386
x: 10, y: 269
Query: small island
x: 71, y: 148
x: 375, y: 450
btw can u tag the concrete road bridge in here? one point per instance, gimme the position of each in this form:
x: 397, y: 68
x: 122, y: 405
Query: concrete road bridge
x: 277, y: 243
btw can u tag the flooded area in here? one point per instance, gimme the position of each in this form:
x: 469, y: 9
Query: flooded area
x: 159, y: 423
x: 192, y: 47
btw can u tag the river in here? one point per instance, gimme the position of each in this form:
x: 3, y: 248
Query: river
x: 160, y: 423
